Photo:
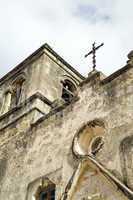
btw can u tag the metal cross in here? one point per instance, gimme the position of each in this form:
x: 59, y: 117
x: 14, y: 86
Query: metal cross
x: 93, y: 52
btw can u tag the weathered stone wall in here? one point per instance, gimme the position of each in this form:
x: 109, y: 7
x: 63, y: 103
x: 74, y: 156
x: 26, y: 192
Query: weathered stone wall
x: 45, y: 147
x: 52, y: 72
x: 94, y: 185
x: 43, y: 73
x: 29, y: 85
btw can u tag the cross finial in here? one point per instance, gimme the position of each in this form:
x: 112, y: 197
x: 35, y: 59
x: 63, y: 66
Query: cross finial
x: 93, y: 52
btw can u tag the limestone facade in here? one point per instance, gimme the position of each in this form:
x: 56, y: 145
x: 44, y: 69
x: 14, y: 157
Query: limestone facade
x: 78, y: 144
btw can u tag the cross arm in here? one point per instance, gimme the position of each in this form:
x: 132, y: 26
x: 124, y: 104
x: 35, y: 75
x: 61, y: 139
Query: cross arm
x: 92, y: 51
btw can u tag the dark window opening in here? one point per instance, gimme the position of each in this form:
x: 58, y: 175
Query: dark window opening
x: 17, y: 92
x: 68, y: 90
x: 47, y: 194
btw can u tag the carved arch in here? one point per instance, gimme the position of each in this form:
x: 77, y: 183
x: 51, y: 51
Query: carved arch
x: 70, y: 79
x: 89, y: 138
x: 126, y: 159
x: 69, y: 88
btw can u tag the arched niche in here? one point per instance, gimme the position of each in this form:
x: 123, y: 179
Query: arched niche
x: 89, y: 139
x: 17, y: 88
x: 126, y: 159
x: 6, y: 101
x: 13, y: 94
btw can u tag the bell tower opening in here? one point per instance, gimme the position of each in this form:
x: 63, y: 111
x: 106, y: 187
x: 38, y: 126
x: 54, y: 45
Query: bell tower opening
x: 68, y: 90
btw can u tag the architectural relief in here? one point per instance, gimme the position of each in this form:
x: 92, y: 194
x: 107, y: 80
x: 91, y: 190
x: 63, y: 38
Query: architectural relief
x: 89, y: 140
x: 64, y: 136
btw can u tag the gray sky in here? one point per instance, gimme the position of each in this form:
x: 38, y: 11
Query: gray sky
x: 69, y: 27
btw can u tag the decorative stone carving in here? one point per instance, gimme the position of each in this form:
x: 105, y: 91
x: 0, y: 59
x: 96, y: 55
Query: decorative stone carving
x: 89, y: 139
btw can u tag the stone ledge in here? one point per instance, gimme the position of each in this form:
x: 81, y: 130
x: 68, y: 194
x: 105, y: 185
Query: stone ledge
x: 15, y: 120
x: 33, y: 57
x: 91, y: 77
x: 24, y: 103
x: 25, y: 107
x: 116, y: 74
x: 96, y: 76
x: 55, y: 111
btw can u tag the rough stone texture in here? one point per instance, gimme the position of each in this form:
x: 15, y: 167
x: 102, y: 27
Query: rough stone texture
x: 35, y: 147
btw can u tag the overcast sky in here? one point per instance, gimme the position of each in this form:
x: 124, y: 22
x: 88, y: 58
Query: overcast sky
x: 69, y: 27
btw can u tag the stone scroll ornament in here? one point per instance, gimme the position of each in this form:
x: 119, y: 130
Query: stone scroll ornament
x: 85, y: 146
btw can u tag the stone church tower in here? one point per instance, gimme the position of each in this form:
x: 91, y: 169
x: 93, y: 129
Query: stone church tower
x: 63, y: 136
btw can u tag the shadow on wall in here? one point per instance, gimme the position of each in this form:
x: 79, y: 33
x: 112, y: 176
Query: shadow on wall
x: 3, y: 166
x: 126, y: 158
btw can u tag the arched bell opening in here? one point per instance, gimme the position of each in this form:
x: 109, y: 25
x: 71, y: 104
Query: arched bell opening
x: 68, y: 90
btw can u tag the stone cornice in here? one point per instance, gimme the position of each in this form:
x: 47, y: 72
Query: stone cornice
x: 94, y: 76
x: 32, y: 58
x: 30, y: 99
x: 15, y: 120
x: 63, y: 61
x: 15, y: 71
x: 116, y: 74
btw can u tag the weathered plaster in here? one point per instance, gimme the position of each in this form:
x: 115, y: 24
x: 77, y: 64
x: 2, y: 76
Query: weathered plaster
x: 32, y: 148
